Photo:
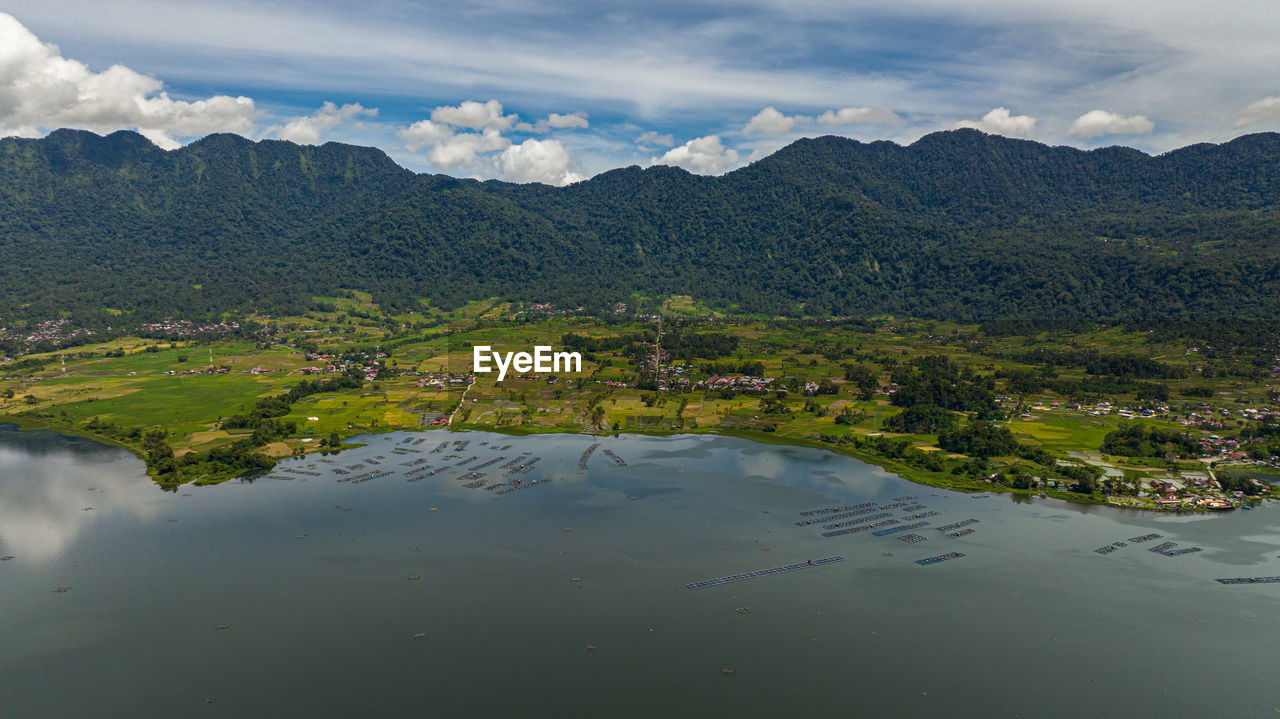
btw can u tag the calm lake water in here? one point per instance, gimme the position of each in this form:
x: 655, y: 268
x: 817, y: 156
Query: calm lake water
x: 316, y: 579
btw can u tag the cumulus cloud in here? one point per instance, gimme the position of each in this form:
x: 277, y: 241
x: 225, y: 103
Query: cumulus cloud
x: 308, y: 129
x: 653, y: 138
x: 423, y: 133
x: 556, y: 121
x: 859, y: 115
x: 1265, y: 110
x: 577, y: 119
x: 704, y: 155
x: 1000, y: 122
x: 474, y: 115
x: 41, y: 90
x: 544, y: 161
x: 1100, y: 122
x: 462, y: 150
x: 771, y: 122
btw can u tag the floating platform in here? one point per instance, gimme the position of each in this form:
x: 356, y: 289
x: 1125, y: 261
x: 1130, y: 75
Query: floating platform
x: 831, y: 517
x: 862, y: 528
x: 903, y: 528
x: 914, y: 508
x: 508, y: 489
x: 913, y: 538
x: 904, y: 499
x: 482, y: 465
x: 957, y: 525
x: 940, y: 558
x: 1180, y: 552
x: 764, y: 573
x: 586, y: 454
x: 861, y: 520
x: 961, y: 533
x: 1144, y: 538
x: 1249, y: 580
x: 832, y: 510
x: 922, y: 515
x: 1162, y: 547
x: 616, y: 459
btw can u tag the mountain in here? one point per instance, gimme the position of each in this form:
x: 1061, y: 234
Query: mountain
x: 959, y: 225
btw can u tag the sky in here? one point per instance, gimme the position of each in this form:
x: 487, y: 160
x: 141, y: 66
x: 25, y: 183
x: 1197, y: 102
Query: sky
x: 557, y: 91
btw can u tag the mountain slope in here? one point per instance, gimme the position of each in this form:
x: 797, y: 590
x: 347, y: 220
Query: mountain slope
x: 958, y: 225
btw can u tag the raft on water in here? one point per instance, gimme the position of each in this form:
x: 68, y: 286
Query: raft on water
x: 763, y: 572
x: 586, y: 454
x: 523, y: 485
x: 830, y: 510
x: 940, y: 558
x: 860, y: 520
x: 903, y: 528
x: 957, y: 525
x: 1249, y: 580
x: 862, y: 528
x: 833, y: 517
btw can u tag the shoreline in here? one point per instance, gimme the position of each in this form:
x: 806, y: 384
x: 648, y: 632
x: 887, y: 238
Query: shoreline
x: 897, y: 469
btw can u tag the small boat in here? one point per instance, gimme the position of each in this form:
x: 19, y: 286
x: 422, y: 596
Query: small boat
x: 743, y: 610
x: 420, y: 635
x: 224, y: 626
x: 590, y: 648
x: 726, y: 671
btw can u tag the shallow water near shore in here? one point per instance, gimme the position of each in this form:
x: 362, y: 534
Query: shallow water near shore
x: 569, y: 598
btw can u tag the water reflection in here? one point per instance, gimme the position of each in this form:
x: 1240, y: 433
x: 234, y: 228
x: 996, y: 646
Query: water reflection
x: 56, y: 486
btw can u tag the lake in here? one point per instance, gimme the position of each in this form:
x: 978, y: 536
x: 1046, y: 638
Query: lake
x: 386, y: 589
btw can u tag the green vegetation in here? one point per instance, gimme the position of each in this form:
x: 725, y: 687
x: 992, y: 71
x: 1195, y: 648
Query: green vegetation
x: 959, y: 226
x: 967, y: 407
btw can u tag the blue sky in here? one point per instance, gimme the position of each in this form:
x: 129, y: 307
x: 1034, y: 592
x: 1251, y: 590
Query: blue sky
x: 558, y: 91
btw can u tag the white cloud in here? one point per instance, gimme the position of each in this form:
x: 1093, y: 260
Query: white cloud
x: 536, y: 161
x: 577, y: 119
x: 1265, y: 110
x: 653, y: 138
x: 1100, y: 122
x: 555, y: 121
x: 771, y: 122
x: 423, y: 133
x: 474, y: 115
x: 41, y: 90
x: 1000, y: 122
x: 308, y: 129
x: 461, y: 150
x: 859, y: 115
x: 704, y: 155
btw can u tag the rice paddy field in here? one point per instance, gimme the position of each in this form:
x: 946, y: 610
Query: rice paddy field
x: 422, y: 383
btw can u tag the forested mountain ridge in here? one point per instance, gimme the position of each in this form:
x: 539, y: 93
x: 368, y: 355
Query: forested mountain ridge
x: 959, y: 225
